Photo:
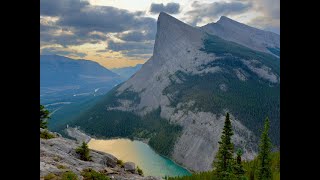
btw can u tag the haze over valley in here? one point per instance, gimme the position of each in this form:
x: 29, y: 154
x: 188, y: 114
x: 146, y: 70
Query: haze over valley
x: 161, y: 94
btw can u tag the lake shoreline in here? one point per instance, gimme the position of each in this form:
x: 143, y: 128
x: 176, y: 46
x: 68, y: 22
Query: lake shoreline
x: 77, y: 132
x: 144, y: 141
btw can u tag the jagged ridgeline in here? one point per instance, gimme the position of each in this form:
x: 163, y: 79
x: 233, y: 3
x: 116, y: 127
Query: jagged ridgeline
x: 179, y: 97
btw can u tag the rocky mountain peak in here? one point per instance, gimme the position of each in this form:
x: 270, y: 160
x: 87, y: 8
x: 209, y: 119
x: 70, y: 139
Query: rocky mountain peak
x: 166, y: 19
x: 171, y: 31
x: 185, y: 82
x: 243, y: 34
x: 225, y: 19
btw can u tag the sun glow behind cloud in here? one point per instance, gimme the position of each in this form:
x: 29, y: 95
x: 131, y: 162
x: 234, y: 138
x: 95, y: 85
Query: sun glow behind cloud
x: 120, y: 33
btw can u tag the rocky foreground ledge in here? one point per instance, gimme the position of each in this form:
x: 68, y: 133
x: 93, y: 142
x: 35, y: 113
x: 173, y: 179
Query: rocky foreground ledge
x: 58, y: 155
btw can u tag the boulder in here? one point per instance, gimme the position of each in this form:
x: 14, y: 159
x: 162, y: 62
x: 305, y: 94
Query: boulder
x: 109, y: 161
x: 130, y: 166
x: 108, y: 171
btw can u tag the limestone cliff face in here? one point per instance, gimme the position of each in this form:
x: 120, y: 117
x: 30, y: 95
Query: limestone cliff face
x: 209, y: 69
x: 177, y: 48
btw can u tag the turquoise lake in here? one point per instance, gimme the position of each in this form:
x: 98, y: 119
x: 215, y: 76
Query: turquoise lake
x: 141, y: 154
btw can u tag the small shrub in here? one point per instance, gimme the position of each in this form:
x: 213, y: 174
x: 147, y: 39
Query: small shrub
x: 90, y: 174
x: 56, y: 158
x: 84, y: 152
x: 120, y: 162
x: 50, y: 176
x: 60, y: 166
x: 46, y: 135
x: 69, y: 175
x: 140, y: 172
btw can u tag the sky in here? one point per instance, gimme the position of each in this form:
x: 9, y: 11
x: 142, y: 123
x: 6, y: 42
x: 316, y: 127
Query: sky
x: 121, y: 33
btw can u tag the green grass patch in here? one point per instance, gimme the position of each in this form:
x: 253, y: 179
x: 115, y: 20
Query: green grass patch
x: 120, y: 163
x: 46, y: 135
x: 90, y: 174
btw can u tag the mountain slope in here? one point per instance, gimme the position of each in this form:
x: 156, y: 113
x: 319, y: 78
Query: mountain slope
x: 250, y: 37
x: 68, y: 86
x: 127, y: 72
x: 59, y: 71
x: 191, y: 80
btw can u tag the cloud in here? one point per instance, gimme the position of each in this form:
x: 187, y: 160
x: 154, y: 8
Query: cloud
x: 104, y: 19
x: 117, y: 46
x: 66, y: 36
x: 60, y: 7
x: 138, y: 36
x: 171, y: 8
x: 265, y: 13
x: 270, y: 15
x: 74, y: 22
x: 269, y: 8
x: 214, y: 10
x: 61, y: 51
x: 132, y: 49
x: 266, y: 23
x: 129, y: 34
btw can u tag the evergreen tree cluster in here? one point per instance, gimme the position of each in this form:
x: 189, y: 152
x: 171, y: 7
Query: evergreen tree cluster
x: 84, y: 152
x: 44, y: 115
x: 229, y: 166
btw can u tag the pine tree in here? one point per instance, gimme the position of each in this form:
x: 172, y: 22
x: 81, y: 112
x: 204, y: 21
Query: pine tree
x: 44, y: 115
x: 238, y: 168
x: 84, y: 152
x: 264, y: 156
x: 224, y: 158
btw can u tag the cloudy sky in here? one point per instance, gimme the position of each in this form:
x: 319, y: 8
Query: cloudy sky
x: 120, y: 33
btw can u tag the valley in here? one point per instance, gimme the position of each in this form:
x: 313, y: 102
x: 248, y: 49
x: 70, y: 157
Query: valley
x: 177, y: 101
x: 180, y: 96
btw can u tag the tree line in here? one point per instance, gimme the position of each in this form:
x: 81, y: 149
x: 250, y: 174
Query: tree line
x: 228, y: 164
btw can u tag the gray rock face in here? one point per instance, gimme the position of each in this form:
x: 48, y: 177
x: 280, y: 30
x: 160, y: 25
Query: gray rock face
x: 177, y: 49
x: 198, y: 144
x: 250, y: 37
x: 105, y: 159
x: 263, y: 72
x: 173, y: 40
x: 58, y: 155
x: 77, y: 134
x: 130, y: 166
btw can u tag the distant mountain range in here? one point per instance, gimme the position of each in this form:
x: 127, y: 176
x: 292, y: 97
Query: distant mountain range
x: 179, y: 97
x: 69, y: 86
x: 62, y: 76
x: 127, y: 72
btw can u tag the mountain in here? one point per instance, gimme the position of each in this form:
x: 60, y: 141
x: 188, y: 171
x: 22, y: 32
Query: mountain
x: 127, y: 72
x: 179, y: 97
x: 250, y: 37
x: 59, y: 73
x: 68, y: 86
x: 64, y: 77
